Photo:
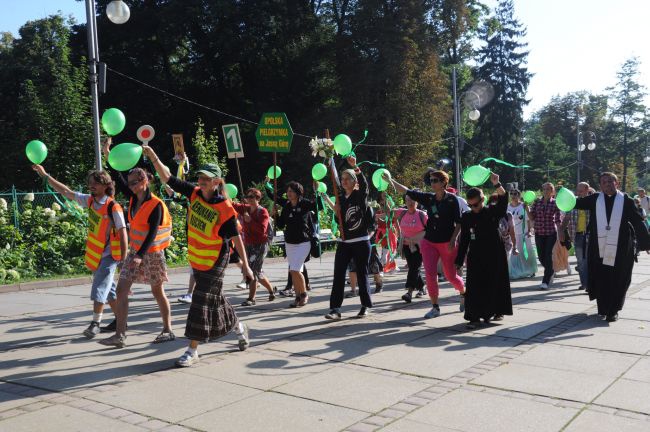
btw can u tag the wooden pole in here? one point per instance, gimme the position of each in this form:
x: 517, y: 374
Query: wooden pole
x: 335, y: 188
x: 241, y: 185
x: 275, y: 178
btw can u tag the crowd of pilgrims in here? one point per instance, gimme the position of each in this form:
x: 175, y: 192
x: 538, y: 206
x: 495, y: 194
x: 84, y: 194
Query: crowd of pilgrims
x: 488, y: 238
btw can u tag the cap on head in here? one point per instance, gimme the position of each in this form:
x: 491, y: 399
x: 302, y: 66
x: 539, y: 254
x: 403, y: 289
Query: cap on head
x: 210, y: 170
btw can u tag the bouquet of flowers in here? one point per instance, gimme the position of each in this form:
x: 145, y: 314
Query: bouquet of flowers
x: 323, y: 147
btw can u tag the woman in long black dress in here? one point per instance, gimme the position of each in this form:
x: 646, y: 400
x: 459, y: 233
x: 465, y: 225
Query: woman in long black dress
x: 488, y: 284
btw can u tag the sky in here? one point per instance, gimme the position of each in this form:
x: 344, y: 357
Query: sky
x: 574, y: 44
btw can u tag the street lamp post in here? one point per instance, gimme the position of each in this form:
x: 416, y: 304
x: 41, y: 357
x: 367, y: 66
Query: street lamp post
x: 523, y: 163
x: 118, y: 13
x: 580, y: 146
x: 473, y: 115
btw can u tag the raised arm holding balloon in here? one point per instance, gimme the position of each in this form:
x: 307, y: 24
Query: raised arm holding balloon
x: 211, y: 221
x: 106, y: 245
x: 439, y: 242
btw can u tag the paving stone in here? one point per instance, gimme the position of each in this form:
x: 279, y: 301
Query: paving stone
x: 362, y: 427
x: 134, y: 419
x: 362, y: 390
x: 116, y: 413
x: 65, y: 418
x: 267, y: 415
x: 589, y: 421
x: 491, y: 412
x: 153, y: 425
x: 378, y: 420
x: 627, y: 394
x: 35, y: 406
x: 10, y: 413
x: 404, y: 425
x: 545, y: 381
x: 178, y: 396
x: 406, y: 407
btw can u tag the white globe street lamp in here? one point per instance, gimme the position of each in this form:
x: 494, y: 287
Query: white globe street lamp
x: 474, y: 114
x: 118, y: 12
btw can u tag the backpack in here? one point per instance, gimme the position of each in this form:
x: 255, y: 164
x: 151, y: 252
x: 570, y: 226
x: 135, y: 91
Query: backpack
x: 270, y: 229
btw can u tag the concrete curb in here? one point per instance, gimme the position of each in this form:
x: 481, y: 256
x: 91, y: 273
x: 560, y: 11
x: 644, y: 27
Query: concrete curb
x: 59, y: 283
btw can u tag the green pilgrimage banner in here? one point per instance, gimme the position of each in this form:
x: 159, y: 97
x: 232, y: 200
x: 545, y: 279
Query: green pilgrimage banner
x: 274, y: 133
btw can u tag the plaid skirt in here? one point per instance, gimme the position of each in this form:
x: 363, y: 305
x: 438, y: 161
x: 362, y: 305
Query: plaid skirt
x: 211, y: 315
x: 256, y: 254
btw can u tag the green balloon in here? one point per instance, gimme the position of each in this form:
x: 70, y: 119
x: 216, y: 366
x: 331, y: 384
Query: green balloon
x: 322, y: 187
x: 231, y: 190
x: 333, y: 198
x: 529, y: 197
x: 36, y: 151
x: 476, y: 175
x: 378, y: 180
x: 342, y: 144
x: 113, y: 121
x: 125, y: 156
x: 319, y: 171
x: 272, y: 174
x: 565, y: 200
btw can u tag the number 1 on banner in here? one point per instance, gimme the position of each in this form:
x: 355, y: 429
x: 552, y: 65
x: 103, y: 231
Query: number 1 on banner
x: 233, y: 141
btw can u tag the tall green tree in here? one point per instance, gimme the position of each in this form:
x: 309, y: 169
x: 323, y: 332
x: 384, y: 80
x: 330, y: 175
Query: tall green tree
x: 44, y: 97
x: 628, y: 109
x: 502, y: 63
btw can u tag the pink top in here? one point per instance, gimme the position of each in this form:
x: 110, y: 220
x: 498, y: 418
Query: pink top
x: 411, y: 224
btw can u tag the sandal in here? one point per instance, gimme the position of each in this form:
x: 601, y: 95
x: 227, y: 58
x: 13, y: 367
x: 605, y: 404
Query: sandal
x: 272, y: 296
x: 164, y: 336
x: 249, y: 302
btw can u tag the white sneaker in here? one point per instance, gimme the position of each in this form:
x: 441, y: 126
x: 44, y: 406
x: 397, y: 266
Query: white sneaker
x: 569, y: 271
x: 244, y: 339
x: 185, y: 298
x: 242, y: 285
x: 187, y: 359
x: 433, y: 313
x: 543, y: 287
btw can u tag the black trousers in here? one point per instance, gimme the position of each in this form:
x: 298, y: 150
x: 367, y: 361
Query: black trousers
x: 414, y: 259
x: 544, y: 245
x: 359, y: 252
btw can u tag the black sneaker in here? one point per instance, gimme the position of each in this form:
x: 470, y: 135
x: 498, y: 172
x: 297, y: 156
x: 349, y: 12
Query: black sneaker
x: 111, y: 327
x: 363, y: 312
x: 407, y: 297
x: 612, y: 318
x: 92, y: 330
x: 378, y: 288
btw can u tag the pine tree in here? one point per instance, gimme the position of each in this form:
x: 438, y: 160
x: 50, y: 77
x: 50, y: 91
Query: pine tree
x: 502, y: 61
x: 627, y: 96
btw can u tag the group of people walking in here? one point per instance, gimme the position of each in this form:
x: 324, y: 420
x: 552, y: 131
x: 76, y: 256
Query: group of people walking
x: 489, y: 237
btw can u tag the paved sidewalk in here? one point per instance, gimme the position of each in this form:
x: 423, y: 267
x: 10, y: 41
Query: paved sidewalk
x: 552, y: 366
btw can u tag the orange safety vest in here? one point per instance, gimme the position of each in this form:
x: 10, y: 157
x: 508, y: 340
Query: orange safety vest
x: 140, y: 226
x: 98, y: 222
x: 203, y: 223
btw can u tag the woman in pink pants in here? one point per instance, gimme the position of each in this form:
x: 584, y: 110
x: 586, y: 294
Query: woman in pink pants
x: 439, y: 243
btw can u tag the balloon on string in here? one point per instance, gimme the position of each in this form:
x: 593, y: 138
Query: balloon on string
x: 342, y: 144
x: 319, y: 171
x: 36, y: 151
x: 274, y: 173
x: 333, y: 199
x: 529, y: 197
x: 322, y: 187
x: 113, y: 121
x: 476, y: 175
x: 231, y: 190
x: 565, y: 200
x: 124, y: 156
x: 378, y: 179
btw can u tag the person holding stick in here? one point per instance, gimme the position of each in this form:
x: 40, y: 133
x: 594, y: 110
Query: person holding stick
x: 352, y: 205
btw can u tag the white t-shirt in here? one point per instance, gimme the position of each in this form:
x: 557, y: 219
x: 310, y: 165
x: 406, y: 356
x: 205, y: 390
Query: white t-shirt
x: 645, y: 203
x: 519, y: 218
x: 118, y: 216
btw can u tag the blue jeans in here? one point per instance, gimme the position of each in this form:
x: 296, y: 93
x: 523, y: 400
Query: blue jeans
x: 103, y: 287
x: 580, y: 243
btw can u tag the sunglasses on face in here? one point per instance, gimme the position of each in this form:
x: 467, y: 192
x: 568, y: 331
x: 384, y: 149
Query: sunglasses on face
x: 134, y: 182
x: 475, y: 205
x: 435, y: 180
x: 514, y: 194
